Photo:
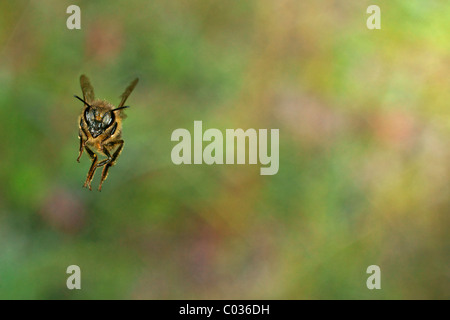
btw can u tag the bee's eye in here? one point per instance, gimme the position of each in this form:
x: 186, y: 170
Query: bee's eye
x: 107, y: 119
x: 89, y: 115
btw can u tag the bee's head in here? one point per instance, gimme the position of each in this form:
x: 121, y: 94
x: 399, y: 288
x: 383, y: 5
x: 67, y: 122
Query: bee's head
x: 98, y: 118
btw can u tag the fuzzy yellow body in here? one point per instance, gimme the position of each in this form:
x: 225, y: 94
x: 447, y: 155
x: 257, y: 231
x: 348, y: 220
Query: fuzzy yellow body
x: 96, y: 144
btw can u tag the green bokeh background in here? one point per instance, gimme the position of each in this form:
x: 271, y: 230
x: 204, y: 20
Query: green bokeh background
x: 364, y: 175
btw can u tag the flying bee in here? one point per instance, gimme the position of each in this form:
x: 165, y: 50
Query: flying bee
x: 100, y: 129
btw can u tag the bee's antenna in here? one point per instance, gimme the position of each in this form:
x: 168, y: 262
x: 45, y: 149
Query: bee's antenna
x: 116, y: 109
x: 82, y: 101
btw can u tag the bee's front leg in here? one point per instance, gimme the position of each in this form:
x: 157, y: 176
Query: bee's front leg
x: 82, y: 141
x: 82, y: 135
x: 91, y: 172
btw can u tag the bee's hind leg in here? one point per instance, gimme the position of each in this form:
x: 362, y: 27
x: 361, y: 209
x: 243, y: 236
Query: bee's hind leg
x: 110, y: 161
x: 87, y: 183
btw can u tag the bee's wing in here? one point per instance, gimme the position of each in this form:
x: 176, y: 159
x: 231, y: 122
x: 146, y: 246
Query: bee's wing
x: 88, y: 90
x: 127, y: 92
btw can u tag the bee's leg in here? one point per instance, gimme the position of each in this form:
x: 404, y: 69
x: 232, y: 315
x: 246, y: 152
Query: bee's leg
x: 112, y: 160
x: 91, y: 172
x: 82, y: 135
x: 81, y: 146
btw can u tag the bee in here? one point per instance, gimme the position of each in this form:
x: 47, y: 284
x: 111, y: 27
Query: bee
x: 100, y: 129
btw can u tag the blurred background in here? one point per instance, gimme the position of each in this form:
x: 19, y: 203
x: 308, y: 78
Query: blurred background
x: 364, y: 174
